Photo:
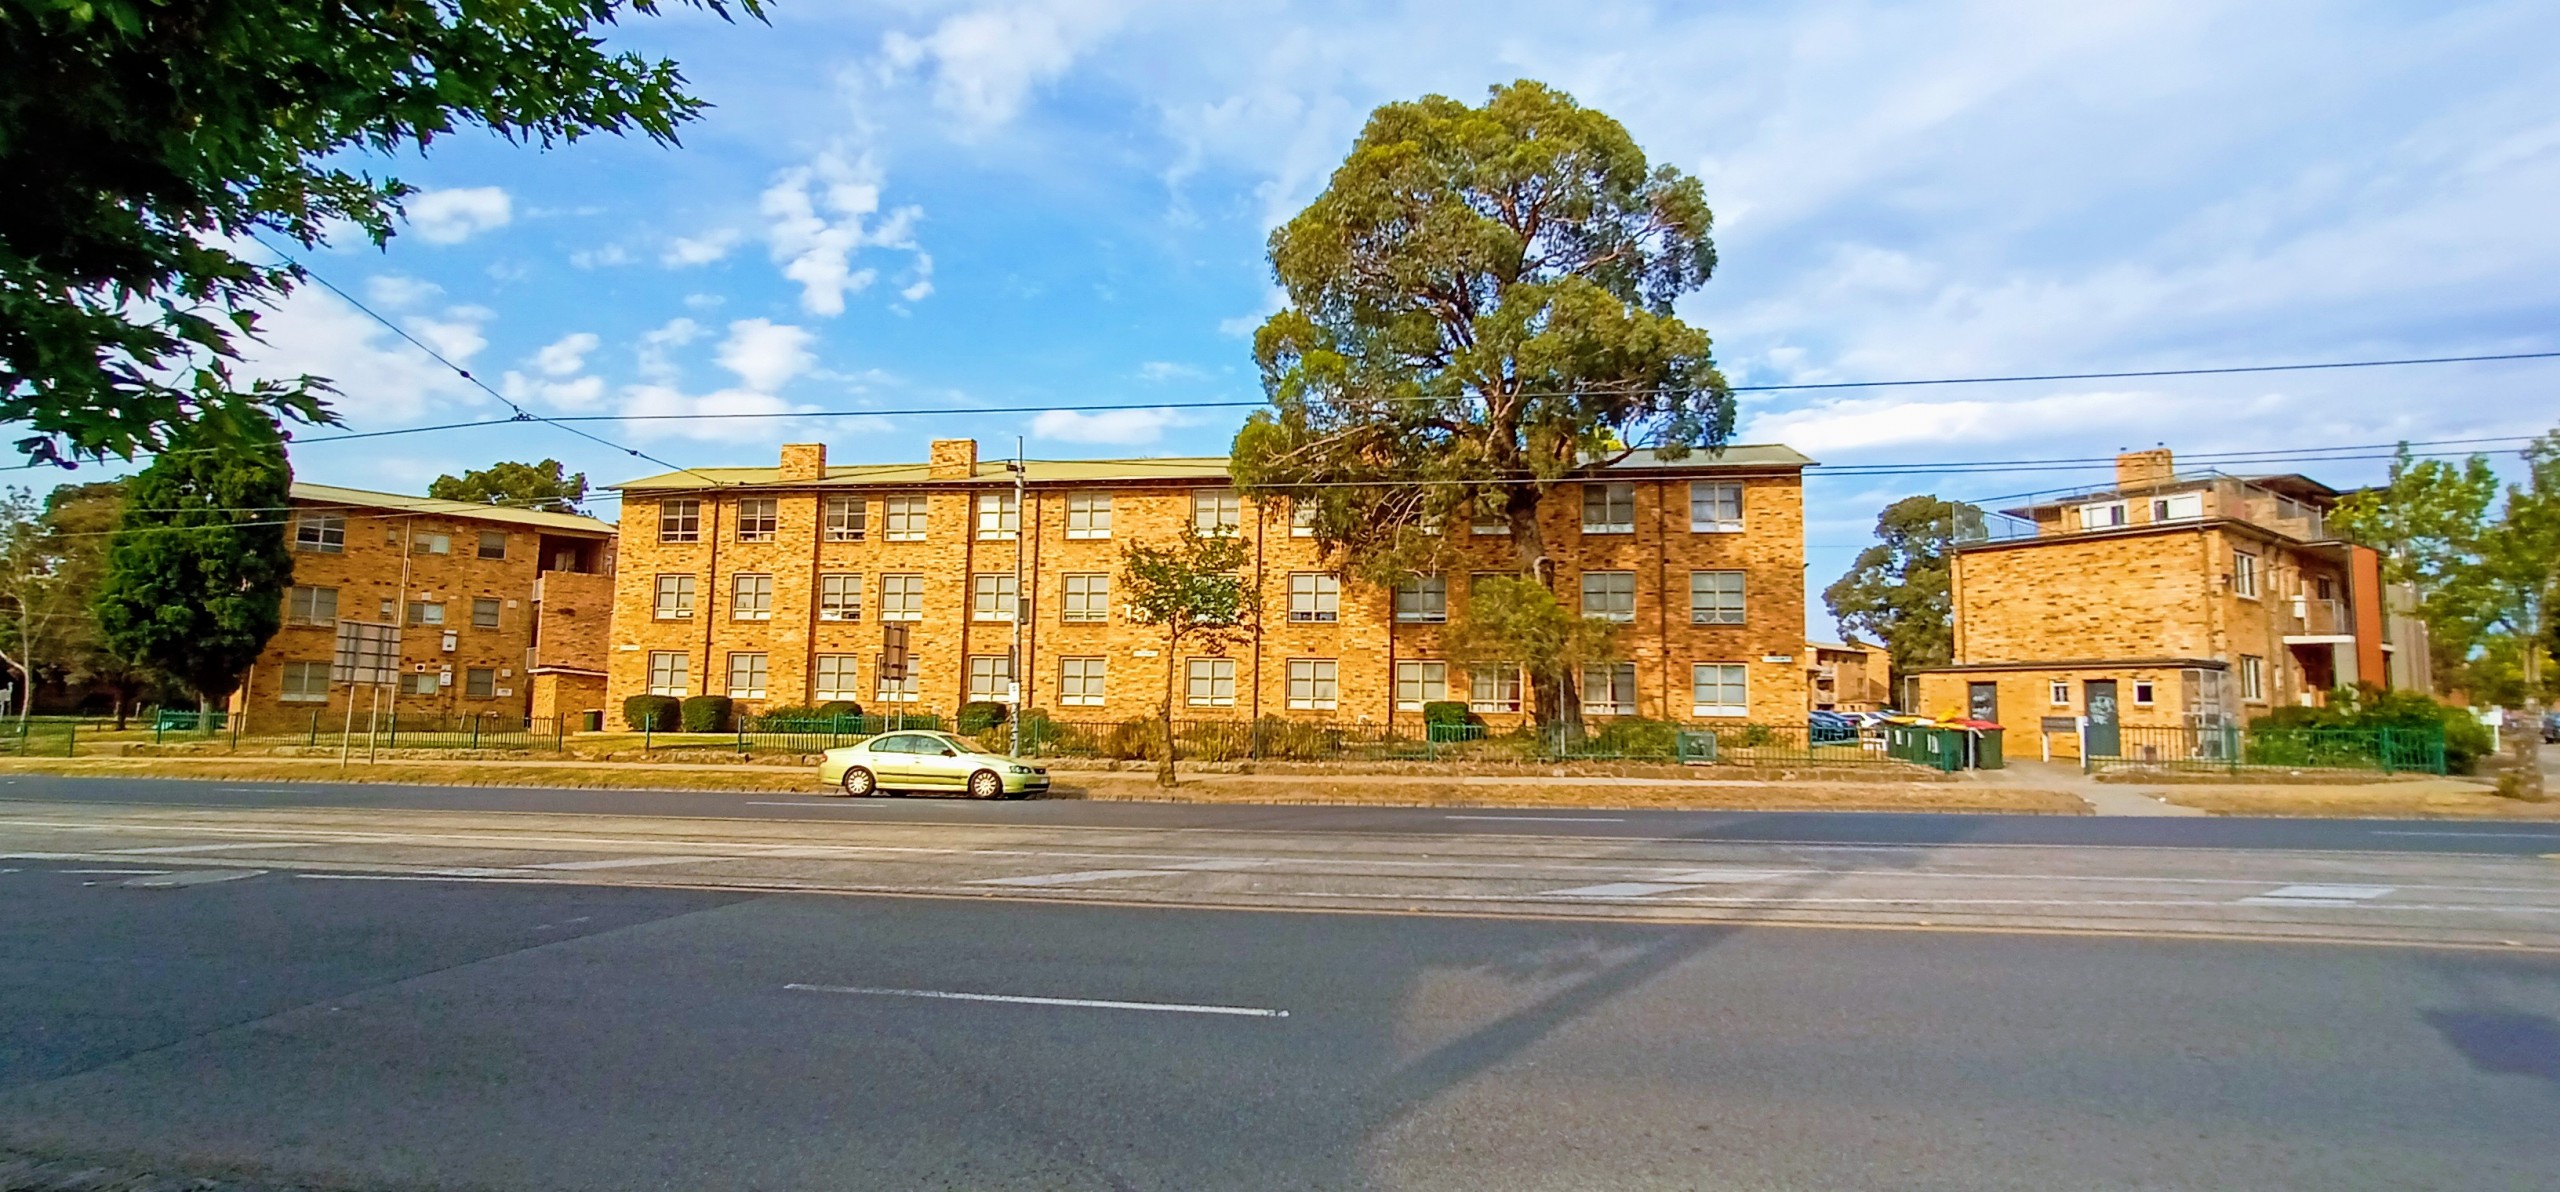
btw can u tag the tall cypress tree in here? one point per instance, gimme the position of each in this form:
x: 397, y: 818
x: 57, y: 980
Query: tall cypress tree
x: 197, y: 568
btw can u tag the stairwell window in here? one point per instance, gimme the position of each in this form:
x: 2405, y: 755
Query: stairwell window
x: 1609, y: 595
x: 747, y: 672
x: 847, y: 519
x: 1314, y: 596
x: 836, y: 678
x: 1088, y: 515
x: 1609, y: 689
x: 905, y: 516
x: 751, y: 598
x: 680, y: 520
x: 2253, y: 679
x: 1715, y: 507
x: 674, y: 597
x: 667, y: 675
x: 840, y: 599
x: 1080, y: 682
x: 1719, y: 689
x: 1609, y: 508
x: 1715, y: 597
x: 2244, y: 575
x: 1210, y: 683
x: 1493, y: 689
x: 1312, y: 685
x: 322, y: 533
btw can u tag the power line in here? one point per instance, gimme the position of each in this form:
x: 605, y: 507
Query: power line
x: 2154, y: 372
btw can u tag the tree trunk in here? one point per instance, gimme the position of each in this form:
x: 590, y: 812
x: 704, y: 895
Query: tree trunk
x: 120, y: 707
x: 1553, y: 700
x: 1164, y: 717
x: 2525, y: 751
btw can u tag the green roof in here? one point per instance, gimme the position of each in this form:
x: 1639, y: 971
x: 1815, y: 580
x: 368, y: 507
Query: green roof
x: 358, y: 498
x: 1213, y: 468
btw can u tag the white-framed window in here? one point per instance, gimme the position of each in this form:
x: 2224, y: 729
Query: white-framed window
x: 1216, y: 512
x: 2253, y: 678
x: 2058, y: 692
x: 991, y: 678
x: 848, y: 519
x: 1609, y: 508
x: 1719, y: 689
x: 1609, y: 689
x: 484, y: 612
x: 750, y: 597
x: 2244, y: 574
x: 904, y: 515
x: 1209, y: 682
x: 493, y: 544
x: 840, y: 598
x: 758, y: 517
x: 2102, y: 515
x: 1314, y: 596
x: 429, y: 613
x: 1311, y: 684
x: 1609, y: 595
x: 1302, y: 519
x: 675, y: 597
x: 431, y: 544
x: 2177, y: 507
x: 431, y: 683
x: 1088, y: 597
x: 902, y: 598
x: 325, y: 533
x: 1715, y: 597
x: 310, y: 606
x: 680, y: 520
x: 2144, y: 693
x: 900, y: 690
x: 747, y: 670
x: 1423, y: 598
x: 305, y: 683
x: 993, y: 596
x: 836, y: 678
x: 1715, y: 507
x: 667, y: 674
x: 999, y: 514
x: 1493, y: 688
x: 1419, y: 683
x: 1080, y: 682
x: 1088, y: 515
x: 480, y: 682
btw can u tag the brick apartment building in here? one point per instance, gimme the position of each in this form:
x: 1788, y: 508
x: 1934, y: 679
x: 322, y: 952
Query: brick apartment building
x: 505, y: 611
x: 774, y: 585
x: 1846, y: 676
x: 2168, y: 600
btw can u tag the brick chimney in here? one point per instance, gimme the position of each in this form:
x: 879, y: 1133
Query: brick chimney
x: 2136, y: 469
x: 954, y: 459
x: 803, y: 461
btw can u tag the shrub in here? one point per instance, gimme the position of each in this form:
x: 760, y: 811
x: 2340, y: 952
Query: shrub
x: 786, y: 713
x: 1215, y: 741
x: 977, y: 716
x: 1288, y: 740
x: 1633, y: 737
x: 1131, y: 740
x: 657, y: 712
x: 1039, y: 733
x: 838, y: 707
x: 2269, y: 742
x: 1446, y: 711
x: 708, y: 713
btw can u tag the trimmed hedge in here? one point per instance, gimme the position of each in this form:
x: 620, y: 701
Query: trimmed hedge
x: 708, y: 713
x: 838, y: 707
x: 644, y: 712
x: 977, y: 716
x: 1446, y: 711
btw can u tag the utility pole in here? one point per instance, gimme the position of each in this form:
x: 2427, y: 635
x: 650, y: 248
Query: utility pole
x: 1013, y: 667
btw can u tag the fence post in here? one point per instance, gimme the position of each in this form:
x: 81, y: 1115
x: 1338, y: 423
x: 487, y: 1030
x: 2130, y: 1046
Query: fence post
x: 2385, y: 750
x: 71, y: 740
x: 475, y: 730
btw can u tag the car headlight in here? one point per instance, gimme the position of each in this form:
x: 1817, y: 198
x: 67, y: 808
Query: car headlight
x: 1022, y: 769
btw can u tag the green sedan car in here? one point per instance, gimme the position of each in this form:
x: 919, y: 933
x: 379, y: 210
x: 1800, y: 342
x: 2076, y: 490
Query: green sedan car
x: 921, y: 761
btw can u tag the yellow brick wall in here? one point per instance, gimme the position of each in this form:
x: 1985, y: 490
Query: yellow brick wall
x: 1365, y: 643
x: 2025, y: 699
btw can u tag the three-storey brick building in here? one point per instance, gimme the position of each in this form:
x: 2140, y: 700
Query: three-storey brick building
x: 502, y: 610
x: 774, y: 586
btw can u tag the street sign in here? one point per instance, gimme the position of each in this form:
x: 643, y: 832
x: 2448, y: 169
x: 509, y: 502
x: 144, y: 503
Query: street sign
x: 368, y: 654
x: 893, y: 653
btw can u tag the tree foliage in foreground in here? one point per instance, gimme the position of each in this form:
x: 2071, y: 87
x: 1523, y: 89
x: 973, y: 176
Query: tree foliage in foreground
x: 516, y: 485
x: 1480, y: 309
x: 143, y: 142
x: 1516, y: 621
x: 1899, y: 591
x: 1194, y: 592
x: 197, y: 568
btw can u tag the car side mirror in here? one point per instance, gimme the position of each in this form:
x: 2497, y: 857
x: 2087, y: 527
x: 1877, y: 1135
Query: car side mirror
x: 950, y: 753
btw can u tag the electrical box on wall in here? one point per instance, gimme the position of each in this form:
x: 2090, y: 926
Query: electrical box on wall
x: 451, y: 639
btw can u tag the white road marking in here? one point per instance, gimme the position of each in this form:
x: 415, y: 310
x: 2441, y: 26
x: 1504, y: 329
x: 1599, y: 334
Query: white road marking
x: 624, y: 862
x: 821, y: 802
x: 1070, y: 879
x: 2468, y: 835
x: 207, y: 848
x: 1545, y: 819
x: 191, y: 877
x: 1616, y: 890
x: 1219, y: 864
x: 115, y: 872
x: 2330, y: 893
x: 409, y: 877
x: 1736, y: 876
x: 1022, y: 1000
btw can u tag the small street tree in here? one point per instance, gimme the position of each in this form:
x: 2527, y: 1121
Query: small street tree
x: 1195, y: 593
x: 41, y: 590
x: 82, y: 519
x: 198, y: 564
x: 1516, y: 621
x: 1899, y: 590
x: 1480, y: 310
x: 2486, y: 569
x: 516, y: 485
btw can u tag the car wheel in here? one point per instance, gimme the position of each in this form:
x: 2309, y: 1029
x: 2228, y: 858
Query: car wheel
x: 860, y: 783
x: 985, y: 785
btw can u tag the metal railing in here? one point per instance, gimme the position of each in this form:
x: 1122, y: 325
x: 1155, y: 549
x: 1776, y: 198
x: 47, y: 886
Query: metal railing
x: 471, y: 730
x: 1278, y: 739
x: 2232, y: 749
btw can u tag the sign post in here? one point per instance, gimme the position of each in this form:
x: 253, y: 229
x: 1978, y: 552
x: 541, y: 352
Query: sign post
x: 368, y: 654
x: 893, y: 663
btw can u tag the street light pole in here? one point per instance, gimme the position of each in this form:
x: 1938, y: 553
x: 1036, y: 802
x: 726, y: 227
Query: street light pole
x: 1021, y: 526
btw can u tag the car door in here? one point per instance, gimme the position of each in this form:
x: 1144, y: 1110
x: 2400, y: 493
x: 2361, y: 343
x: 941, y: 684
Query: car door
x: 892, y: 759
x: 941, y: 763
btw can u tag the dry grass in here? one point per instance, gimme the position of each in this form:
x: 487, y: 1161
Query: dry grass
x: 2422, y: 799
x: 1122, y: 786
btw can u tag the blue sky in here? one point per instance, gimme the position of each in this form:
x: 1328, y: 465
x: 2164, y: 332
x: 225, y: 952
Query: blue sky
x: 1058, y: 203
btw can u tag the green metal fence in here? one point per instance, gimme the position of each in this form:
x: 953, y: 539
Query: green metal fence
x: 40, y: 737
x: 2232, y: 749
x: 807, y: 734
x: 1276, y: 739
x: 470, y: 730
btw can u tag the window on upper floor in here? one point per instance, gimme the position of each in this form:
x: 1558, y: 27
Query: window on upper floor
x: 1216, y: 512
x: 1087, y: 599
x: 680, y: 520
x: 840, y: 598
x: 674, y: 597
x: 1314, y: 596
x: 904, y: 514
x: 758, y: 518
x: 1609, y: 508
x: 1715, y: 597
x: 1423, y: 598
x: 1302, y: 518
x: 902, y: 598
x: 750, y: 597
x: 425, y: 543
x: 493, y: 544
x: 325, y: 533
x: 993, y: 596
x: 1609, y: 595
x: 2244, y: 574
x: 484, y: 612
x: 2177, y: 507
x: 2102, y: 515
x: 1715, y: 507
x: 999, y: 515
x: 847, y: 519
x: 1088, y: 515
x: 311, y: 606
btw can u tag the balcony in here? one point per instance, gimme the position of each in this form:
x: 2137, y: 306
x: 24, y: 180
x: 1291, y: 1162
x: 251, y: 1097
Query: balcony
x: 2185, y: 497
x: 2312, y: 617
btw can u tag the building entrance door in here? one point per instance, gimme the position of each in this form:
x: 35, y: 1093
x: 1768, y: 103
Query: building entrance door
x: 2105, y: 738
x: 1982, y: 701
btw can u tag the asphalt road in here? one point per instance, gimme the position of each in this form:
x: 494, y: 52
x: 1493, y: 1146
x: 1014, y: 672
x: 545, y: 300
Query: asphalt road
x: 2525, y: 838
x: 467, y: 1035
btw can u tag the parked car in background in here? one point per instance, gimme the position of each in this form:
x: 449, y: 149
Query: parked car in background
x: 1825, y: 728
x: 2551, y: 728
x: 923, y: 761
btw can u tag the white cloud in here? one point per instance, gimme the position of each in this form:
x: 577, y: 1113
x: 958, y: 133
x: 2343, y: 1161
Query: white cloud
x: 457, y: 335
x: 655, y: 344
x: 606, y: 257
x: 667, y: 399
x: 559, y: 378
x: 703, y: 301
x: 1166, y: 370
x: 684, y: 251
x: 1127, y: 427
x: 567, y: 355
x: 816, y: 223
x: 382, y: 380
x: 396, y: 290
x: 766, y: 355
x: 986, y: 62
x: 453, y: 216
x: 922, y: 284
x: 1274, y: 300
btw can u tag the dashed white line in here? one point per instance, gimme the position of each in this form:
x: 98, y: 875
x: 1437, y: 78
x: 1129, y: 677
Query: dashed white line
x: 623, y: 862
x: 1544, y: 819
x: 2478, y: 835
x: 1025, y: 1000
x: 1617, y: 890
x: 1070, y: 879
x: 206, y: 848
